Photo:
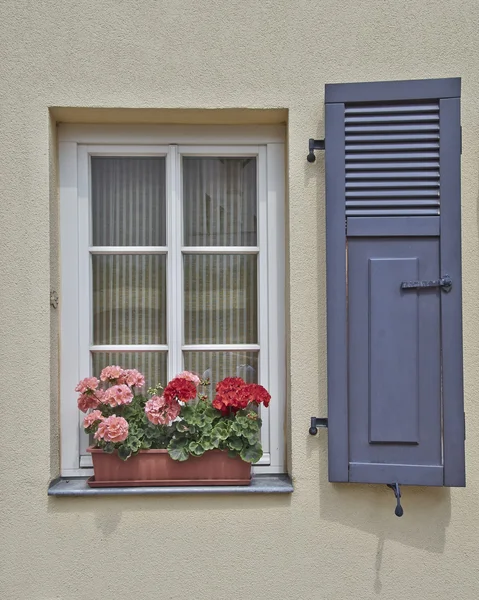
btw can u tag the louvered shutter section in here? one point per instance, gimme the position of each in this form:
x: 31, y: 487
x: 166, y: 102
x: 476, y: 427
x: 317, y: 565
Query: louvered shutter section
x: 395, y: 389
x: 392, y: 159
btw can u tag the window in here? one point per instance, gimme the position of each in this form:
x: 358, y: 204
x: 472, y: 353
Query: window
x: 172, y: 258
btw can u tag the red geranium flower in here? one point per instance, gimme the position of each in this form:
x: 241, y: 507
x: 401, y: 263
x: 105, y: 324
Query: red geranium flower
x: 257, y: 393
x: 180, y: 389
x: 230, y: 383
x: 234, y: 394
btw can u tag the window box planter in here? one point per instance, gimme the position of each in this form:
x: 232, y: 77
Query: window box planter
x: 157, y: 468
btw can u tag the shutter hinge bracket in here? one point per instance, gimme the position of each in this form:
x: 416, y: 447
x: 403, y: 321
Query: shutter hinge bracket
x: 315, y: 145
x: 397, y: 492
x: 317, y: 422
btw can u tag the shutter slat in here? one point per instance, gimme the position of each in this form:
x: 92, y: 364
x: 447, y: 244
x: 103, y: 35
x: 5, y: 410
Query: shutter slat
x: 420, y: 164
x: 391, y: 184
x: 392, y: 212
x: 372, y: 175
x: 395, y: 202
x: 414, y: 193
x: 395, y: 146
x: 364, y: 128
x: 402, y: 108
x: 392, y: 136
x: 391, y: 156
x: 390, y: 119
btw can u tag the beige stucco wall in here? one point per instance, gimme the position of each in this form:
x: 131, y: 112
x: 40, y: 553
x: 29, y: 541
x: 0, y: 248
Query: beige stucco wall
x: 324, y: 541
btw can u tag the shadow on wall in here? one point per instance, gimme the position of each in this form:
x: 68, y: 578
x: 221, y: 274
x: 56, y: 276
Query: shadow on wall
x: 427, y: 510
x: 370, y: 508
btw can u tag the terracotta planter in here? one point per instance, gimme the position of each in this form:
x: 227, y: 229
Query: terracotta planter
x: 156, y: 468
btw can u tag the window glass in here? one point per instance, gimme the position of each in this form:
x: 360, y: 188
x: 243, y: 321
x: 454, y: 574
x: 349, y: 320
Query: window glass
x: 220, y: 299
x: 128, y: 201
x: 219, y: 201
x: 129, y: 299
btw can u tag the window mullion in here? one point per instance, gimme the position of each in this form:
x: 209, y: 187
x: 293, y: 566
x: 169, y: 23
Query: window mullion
x: 174, y: 270
x: 263, y: 300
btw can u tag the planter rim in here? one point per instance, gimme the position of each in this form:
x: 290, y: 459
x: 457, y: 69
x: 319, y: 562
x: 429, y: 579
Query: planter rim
x: 94, y: 450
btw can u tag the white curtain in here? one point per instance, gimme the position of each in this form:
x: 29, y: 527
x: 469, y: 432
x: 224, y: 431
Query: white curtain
x: 220, y: 290
x: 129, y: 290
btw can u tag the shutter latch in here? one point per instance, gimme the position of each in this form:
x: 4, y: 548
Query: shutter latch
x: 445, y: 283
x: 317, y: 422
x: 397, y: 492
x: 315, y: 145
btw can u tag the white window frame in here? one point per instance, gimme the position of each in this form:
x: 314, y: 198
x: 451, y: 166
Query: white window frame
x: 77, y: 143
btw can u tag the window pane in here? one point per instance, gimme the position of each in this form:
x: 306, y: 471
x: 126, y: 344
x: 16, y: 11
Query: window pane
x: 128, y: 201
x: 215, y: 366
x: 220, y: 299
x: 151, y: 364
x: 219, y: 201
x: 129, y: 299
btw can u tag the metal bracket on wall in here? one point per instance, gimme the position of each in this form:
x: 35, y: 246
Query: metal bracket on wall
x: 317, y: 422
x: 397, y: 492
x: 315, y: 145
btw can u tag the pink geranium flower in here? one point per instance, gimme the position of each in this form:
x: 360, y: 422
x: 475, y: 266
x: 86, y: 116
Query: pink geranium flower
x: 112, y: 373
x: 161, y: 412
x: 190, y: 377
x: 113, y: 429
x: 117, y: 395
x: 89, y: 384
x: 133, y: 378
x: 87, y: 401
x: 92, y: 418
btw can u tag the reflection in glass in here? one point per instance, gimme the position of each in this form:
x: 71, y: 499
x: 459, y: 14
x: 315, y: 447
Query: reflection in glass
x: 219, y: 201
x: 215, y: 366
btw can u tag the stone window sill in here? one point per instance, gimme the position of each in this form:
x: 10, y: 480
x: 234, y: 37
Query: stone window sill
x: 260, y: 484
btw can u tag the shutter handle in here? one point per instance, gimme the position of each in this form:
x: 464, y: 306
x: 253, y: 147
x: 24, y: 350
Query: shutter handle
x: 397, y: 492
x: 445, y: 283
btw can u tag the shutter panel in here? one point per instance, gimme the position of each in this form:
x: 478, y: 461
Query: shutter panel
x: 395, y: 389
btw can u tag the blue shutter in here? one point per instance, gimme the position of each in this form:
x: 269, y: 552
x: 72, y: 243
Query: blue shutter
x: 395, y: 388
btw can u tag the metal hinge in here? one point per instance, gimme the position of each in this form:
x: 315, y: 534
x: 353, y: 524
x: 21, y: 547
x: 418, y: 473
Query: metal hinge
x: 317, y: 422
x: 315, y: 145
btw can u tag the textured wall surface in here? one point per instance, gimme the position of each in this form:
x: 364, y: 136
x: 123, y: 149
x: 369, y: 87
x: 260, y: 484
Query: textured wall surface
x: 325, y: 541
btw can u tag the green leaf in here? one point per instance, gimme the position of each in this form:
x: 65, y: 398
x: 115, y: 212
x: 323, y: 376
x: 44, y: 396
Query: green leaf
x: 221, y: 430
x: 109, y: 448
x: 133, y: 443
x: 124, y: 452
x: 196, y: 448
x: 215, y: 441
x: 206, y: 443
x: 235, y: 443
x: 178, y: 453
x: 252, y: 454
x: 251, y: 437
